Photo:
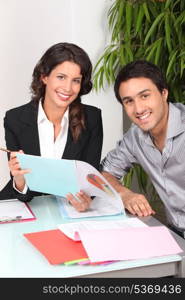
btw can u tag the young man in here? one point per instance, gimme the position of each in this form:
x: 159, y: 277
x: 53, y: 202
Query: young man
x: 155, y: 140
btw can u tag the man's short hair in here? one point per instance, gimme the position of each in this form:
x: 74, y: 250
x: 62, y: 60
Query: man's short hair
x: 140, y: 68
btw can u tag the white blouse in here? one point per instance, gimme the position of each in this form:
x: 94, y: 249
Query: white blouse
x: 49, y: 147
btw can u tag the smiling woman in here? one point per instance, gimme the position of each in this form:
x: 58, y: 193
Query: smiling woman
x: 55, y: 123
x: 65, y: 83
x: 62, y: 88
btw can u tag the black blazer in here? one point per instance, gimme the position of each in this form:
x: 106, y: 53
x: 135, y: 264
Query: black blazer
x: 21, y: 133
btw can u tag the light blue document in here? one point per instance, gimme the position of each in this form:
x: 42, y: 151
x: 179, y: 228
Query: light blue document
x: 62, y: 176
x: 48, y: 175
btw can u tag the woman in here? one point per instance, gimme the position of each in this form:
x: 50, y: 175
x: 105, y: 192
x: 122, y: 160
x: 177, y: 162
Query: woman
x: 55, y: 123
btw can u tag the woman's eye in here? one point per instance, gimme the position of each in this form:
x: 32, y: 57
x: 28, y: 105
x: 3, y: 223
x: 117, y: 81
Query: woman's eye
x: 60, y: 77
x: 77, y: 81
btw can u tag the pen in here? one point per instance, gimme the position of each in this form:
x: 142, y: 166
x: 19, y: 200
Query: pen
x: 6, y: 150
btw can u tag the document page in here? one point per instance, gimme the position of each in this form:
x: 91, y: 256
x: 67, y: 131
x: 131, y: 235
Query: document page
x: 72, y: 229
x: 14, y: 210
x: 99, y: 207
x: 92, y: 181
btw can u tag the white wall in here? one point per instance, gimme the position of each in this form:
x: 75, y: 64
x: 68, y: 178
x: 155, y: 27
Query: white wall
x: 27, y: 29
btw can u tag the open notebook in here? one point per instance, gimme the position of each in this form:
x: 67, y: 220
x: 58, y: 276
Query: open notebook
x: 61, y: 176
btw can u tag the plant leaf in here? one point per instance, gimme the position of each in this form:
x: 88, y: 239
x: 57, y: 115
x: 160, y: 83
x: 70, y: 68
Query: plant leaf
x: 151, y: 50
x: 127, y: 180
x: 167, y: 3
x: 158, y: 51
x: 139, y: 20
x: 171, y: 61
x: 129, y: 51
x: 146, y: 12
x: 153, y: 27
x: 128, y: 18
x: 168, y: 33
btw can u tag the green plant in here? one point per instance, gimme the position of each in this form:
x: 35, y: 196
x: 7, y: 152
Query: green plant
x: 146, y: 29
x: 153, y: 30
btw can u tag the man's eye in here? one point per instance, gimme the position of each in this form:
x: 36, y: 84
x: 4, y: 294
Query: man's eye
x: 144, y: 96
x: 128, y: 101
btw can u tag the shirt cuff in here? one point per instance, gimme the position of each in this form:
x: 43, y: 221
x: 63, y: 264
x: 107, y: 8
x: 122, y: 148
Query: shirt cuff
x: 24, y: 190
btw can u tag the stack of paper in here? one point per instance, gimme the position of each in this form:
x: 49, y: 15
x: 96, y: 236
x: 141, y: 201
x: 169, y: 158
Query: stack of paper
x: 101, y: 243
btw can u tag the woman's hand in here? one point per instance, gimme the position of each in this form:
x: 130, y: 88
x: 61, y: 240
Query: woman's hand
x: 81, y: 201
x: 16, y: 171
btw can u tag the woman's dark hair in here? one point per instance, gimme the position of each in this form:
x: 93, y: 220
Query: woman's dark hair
x: 54, y: 56
x: 140, y: 68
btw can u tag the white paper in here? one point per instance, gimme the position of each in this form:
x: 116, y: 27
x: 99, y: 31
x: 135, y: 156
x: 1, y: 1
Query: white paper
x: 72, y: 230
x: 84, y: 169
x: 14, y: 210
x: 100, y: 206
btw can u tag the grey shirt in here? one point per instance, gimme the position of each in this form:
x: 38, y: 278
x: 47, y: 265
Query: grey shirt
x: 166, y: 170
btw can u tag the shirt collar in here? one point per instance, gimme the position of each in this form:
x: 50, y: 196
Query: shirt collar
x: 176, y: 124
x: 42, y: 116
x: 145, y: 136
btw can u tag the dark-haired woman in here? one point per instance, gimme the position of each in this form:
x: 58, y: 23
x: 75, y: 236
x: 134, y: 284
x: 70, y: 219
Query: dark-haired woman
x: 55, y: 123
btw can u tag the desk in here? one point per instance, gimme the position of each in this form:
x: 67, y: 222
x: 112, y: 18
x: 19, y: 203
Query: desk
x: 18, y: 258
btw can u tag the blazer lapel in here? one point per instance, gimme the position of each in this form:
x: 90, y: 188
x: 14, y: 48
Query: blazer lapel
x: 74, y: 150
x: 69, y: 148
x: 29, y: 130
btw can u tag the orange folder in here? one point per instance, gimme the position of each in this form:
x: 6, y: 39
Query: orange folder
x: 56, y: 246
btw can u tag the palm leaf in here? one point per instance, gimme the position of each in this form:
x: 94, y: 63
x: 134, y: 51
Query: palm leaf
x: 171, y: 62
x: 146, y: 12
x: 153, y: 27
x: 139, y: 20
x: 128, y: 18
x: 168, y: 33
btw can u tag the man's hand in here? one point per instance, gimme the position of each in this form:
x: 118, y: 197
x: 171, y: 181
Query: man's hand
x: 81, y: 201
x: 137, y: 204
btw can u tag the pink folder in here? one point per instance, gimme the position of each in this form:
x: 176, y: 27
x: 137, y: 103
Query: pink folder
x: 56, y: 246
x: 128, y: 243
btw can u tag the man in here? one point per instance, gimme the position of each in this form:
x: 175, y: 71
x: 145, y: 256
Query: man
x: 155, y: 140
